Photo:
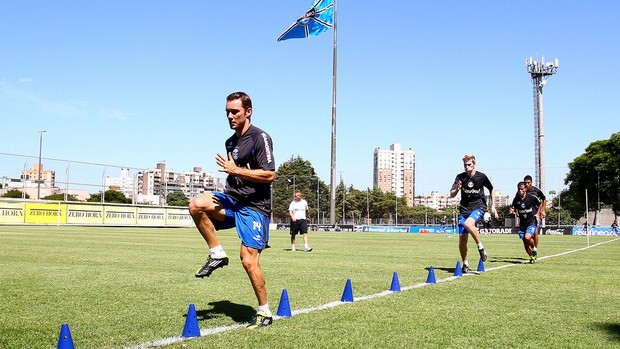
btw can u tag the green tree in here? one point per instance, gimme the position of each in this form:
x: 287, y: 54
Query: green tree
x: 297, y: 174
x: 597, y: 170
x: 177, y: 199
x: 565, y: 204
x: 15, y: 194
x: 112, y: 196
x: 61, y: 197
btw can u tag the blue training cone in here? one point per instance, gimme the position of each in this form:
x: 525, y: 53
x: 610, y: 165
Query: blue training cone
x: 191, y: 328
x: 284, y: 309
x: 431, y: 276
x: 457, y: 270
x: 481, y: 266
x: 64, y: 340
x: 395, y: 283
x: 347, y: 294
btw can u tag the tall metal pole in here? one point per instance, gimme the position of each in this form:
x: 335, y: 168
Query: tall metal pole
x: 318, y: 206
x: 559, y: 206
x: 332, y: 203
x: 367, y: 207
x: 39, y: 169
x: 540, y: 165
x: 598, y: 197
x: 539, y: 72
x: 396, y: 216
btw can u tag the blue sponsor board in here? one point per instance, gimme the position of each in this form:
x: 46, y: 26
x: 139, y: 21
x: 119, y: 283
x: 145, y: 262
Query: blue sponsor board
x: 594, y: 231
x: 431, y: 229
x: 384, y: 229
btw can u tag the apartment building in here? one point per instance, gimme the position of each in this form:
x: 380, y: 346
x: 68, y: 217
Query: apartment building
x: 394, y: 171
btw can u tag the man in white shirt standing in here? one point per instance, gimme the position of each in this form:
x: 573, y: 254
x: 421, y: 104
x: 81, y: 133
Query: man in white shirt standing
x: 299, y: 225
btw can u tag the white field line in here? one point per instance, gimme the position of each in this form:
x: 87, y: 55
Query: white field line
x: 214, y: 330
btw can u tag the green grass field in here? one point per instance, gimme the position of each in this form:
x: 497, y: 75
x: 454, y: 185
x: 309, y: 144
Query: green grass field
x: 127, y: 287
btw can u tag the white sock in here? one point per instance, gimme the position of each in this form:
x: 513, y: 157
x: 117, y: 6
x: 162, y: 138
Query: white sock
x: 534, y: 249
x: 306, y: 246
x: 265, y: 309
x: 293, y: 247
x: 466, y: 263
x: 480, y: 247
x: 218, y: 252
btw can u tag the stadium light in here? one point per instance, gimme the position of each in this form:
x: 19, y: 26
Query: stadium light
x: 39, y: 169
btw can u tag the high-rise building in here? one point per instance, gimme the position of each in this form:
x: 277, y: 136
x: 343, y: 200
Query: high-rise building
x: 394, y: 172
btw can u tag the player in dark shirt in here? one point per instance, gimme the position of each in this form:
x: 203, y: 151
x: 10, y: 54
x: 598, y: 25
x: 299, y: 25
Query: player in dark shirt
x: 471, y: 184
x: 541, y: 208
x: 245, y: 202
x: 525, y: 206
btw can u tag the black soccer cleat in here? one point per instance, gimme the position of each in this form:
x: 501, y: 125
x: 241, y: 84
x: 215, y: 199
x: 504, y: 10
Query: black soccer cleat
x: 210, y: 266
x: 483, y: 254
x: 260, y: 320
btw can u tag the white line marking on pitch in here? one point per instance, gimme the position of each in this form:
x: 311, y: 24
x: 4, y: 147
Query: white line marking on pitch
x: 214, y: 330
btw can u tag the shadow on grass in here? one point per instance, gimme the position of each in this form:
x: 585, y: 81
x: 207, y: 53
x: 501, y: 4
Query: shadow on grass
x: 449, y: 270
x: 611, y: 328
x: 512, y: 260
x: 237, y: 312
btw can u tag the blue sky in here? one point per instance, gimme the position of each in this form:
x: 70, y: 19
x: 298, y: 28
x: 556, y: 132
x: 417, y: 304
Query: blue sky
x: 131, y: 83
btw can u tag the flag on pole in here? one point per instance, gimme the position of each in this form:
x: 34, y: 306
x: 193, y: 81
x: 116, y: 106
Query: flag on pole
x: 314, y: 22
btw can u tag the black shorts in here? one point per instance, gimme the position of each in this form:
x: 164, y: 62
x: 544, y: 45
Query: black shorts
x: 299, y: 226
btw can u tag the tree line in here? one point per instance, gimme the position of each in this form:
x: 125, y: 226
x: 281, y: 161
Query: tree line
x: 593, y: 179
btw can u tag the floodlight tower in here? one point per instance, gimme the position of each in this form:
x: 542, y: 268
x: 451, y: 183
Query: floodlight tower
x: 540, y: 71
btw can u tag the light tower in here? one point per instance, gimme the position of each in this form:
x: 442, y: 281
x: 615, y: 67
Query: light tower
x: 540, y: 71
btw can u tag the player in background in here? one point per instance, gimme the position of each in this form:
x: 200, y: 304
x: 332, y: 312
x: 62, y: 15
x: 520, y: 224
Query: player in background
x: 541, y: 209
x: 471, y: 184
x: 299, y: 225
x: 525, y: 206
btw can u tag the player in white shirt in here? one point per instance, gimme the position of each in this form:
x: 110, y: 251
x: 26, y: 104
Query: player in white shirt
x: 299, y: 225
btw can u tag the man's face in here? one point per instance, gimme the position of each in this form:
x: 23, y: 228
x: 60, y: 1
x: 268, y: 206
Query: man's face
x: 297, y: 196
x: 528, y: 184
x: 236, y: 114
x: 522, y: 191
x: 469, y: 166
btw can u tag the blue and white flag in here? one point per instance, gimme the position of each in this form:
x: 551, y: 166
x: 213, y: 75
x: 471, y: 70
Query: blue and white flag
x: 315, y: 21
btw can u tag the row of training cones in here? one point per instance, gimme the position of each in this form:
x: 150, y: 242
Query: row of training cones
x: 284, y: 308
x: 191, y: 328
x: 458, y: 271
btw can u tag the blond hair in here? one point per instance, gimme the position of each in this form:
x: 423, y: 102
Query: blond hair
x: 468, y: 157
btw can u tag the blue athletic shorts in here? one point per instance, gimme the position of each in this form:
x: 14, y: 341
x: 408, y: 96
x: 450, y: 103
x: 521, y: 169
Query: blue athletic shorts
x: 531, y: 229
x: 252, y: 226
x: 475, y: 214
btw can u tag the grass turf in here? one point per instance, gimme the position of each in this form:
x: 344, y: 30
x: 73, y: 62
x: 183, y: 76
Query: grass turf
x: 120, y: 287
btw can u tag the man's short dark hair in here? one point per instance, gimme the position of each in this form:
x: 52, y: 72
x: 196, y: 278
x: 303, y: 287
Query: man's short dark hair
x: 527, y: 177
x: 246, y: 102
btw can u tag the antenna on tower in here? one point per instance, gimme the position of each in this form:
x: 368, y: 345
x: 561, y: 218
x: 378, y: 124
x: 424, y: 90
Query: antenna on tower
x: 540, y: 71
